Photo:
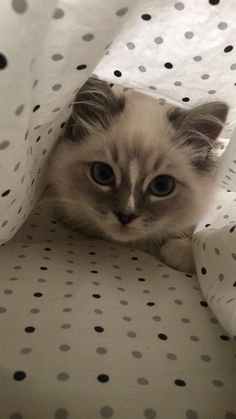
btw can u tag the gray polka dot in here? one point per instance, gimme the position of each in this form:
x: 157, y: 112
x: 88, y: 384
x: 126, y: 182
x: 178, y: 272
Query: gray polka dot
x: 63, y: 376
x: 64, y: 348
x: 131, y: 334
x: 127, y: 318
x: 56, y: 87
x: 222, y: 26
x: 57, y: 57
x: 171, y: 356
x: 221, y: 277
x: 205, y: 76
x: 230, y: 300
x: 234, y: 256
x: 20, y: 6
x: 106, y: 412
x: 233, y: 66
x: 150, y: 414
x: 26, y: 350
x: 152, y: 88
x: 189, y: 35
x: 67, y: 310
x: 185, y: 320
x: 4, y: 223
x: 205, y: 358
x: 226, y: 216
x: 142, y: 68
x: 211, y: 92
x: 158, y: 40
x: 88, y: 37
x: 178, y: 302
x: 219, y: 207
x: 3, y: 310
x: 98, y: 311
x: 194, y: 338
x: 191, y: 414
x: 156, y: 318
x: 137, y: 354
x: 34, y: 310
x: 122, y: 11
x: 179, y: 5
x: 130, y: 45
x: 124, y: 302
x: 16, y: 415
x: 19, y: 110
x: 218, y: 383
x: 8, y: 292
x: 142, y: 381
x: 35, y: 84
x: 101, y: 350
x: 197, y: 58
x: 213, y: 320
x: 204, y: 246
x: 58, y: 13
x: 177, y: 83
x: 4, y: 145
x: 61, y: 414
x: 66, y: 326
x: 54, y: 110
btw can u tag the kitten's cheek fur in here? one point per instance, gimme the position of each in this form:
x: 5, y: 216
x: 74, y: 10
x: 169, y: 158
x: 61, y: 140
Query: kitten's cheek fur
x: 178, y: 254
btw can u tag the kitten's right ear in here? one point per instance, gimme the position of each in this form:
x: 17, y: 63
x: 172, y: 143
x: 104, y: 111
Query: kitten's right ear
x: 94, y: 108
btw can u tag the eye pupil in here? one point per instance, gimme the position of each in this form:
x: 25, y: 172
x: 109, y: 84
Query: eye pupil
x: 162, y: 185
x: 102, y: 173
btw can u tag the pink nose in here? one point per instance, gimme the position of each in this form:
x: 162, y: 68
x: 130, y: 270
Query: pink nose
x: 125, y: 218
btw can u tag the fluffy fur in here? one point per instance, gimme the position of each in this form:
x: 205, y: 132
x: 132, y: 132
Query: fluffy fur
x: 139, y: 138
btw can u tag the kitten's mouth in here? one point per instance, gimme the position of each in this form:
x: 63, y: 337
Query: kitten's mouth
x: 123, y: 233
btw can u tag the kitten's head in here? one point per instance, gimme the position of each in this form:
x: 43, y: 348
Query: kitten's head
x: 130, y: 168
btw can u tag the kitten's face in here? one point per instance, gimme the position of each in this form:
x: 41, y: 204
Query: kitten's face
x: 131, y: 177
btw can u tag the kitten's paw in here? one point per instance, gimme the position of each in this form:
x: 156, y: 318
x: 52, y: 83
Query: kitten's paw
x: 178, y: 254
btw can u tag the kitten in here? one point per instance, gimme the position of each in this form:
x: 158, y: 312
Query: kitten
x: 134, y: 171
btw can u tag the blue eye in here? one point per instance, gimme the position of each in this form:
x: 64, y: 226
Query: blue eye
x: 162, y: 185
x: 102, y: 173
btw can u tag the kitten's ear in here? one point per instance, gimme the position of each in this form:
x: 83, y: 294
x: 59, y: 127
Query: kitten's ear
x: 94, y: 108
x: 200, y: 126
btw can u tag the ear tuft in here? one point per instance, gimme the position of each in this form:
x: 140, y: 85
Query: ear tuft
x: 94, y: 108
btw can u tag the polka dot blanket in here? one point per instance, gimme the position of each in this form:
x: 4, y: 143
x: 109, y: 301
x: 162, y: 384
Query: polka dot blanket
x: 91, y: 330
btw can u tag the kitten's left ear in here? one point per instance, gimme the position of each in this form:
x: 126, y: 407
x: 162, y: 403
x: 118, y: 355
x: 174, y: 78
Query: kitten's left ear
x: 200, y: 126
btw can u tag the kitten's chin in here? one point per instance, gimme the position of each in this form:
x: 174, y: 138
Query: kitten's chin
x: 124, y: 234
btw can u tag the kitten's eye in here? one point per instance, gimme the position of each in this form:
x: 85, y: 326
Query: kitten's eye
x: 102, y: 173
x: 162, y: 185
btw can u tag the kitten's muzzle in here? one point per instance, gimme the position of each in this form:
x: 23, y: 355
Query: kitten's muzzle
x: 125, y: 218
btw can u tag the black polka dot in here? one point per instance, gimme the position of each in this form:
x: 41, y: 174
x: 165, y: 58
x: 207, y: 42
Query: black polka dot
x: 38, y: 294
x: 94, y: 272
x: 146, y: 16
x: 228, y: 48
x: 99, y: 329
x: 180, y: 383
x: 214, y: 2
x: 203, y: 303
x: 3, y: 61
x: 117, y: 73
x: 150, y: 304
x: 43, y: 268
x: 81, y: 67
x: 203, y: 270
x: 168, y: 65
x: 5, y: 193
x: 63, y: 124
x: 185, y: 99
x: 103, y: 378
x: 141, y: 279
x: 162, y: 336
x: 232, y: 229
x: 38, y: 139
x: 19, y: 375
x: 96, y: 296
x: 234, y: 284
x: 207, y: 225
x: 134, y: 258
x: 36, y: 108
x: 29, y: 329
x: 189, y: 275
x: 224, y: 337
x: 48, y: 249
x: 92, y: 253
